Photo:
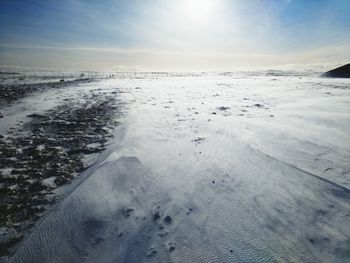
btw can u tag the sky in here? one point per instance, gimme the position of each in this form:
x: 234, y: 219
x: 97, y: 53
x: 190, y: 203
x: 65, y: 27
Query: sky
x: 175, y: 35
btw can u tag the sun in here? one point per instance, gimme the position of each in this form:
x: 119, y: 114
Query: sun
x: 199, y: 10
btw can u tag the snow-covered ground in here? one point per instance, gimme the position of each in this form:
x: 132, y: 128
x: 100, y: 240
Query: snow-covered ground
x: 212, y: 168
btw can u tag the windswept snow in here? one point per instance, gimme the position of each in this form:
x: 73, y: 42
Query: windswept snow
x: 212, y: 168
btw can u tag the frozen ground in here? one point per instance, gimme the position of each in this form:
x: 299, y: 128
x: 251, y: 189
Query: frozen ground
x: 252, y: 168
x: 47, y: 138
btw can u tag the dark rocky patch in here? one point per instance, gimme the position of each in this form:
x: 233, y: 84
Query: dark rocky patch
x: 12, y: 93
x: 48, y: 156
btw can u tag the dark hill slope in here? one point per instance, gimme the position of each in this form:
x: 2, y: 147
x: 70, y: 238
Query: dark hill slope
x: 341, y: 72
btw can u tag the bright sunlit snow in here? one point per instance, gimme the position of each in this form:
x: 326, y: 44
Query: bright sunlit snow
x: 228, y: 167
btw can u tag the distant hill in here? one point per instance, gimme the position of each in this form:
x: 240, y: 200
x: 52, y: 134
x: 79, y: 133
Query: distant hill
x: 341, y: 72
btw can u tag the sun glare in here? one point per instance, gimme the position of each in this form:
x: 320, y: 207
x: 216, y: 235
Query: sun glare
x: 199, y: 10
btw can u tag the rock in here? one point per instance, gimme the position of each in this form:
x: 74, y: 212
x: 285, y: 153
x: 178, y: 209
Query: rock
x: 156, y: 216
x: 127, y: 212
x: 311, y: 240
x: 222, y: 108
x: 36, y: 115
x: 151, y: 253
x: 168, y: 219
x: 198, y: 140
x: 1, y: 116
x: 341, y: 72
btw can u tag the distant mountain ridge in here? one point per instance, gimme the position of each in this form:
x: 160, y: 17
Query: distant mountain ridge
x: 341, y: 72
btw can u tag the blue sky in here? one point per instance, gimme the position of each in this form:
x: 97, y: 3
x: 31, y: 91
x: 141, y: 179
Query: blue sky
x: 173, y: 35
